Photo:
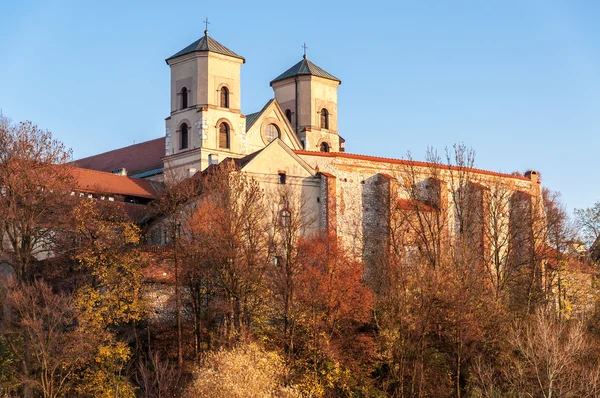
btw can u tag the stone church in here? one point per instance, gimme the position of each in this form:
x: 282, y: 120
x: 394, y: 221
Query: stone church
x: 292, y: 140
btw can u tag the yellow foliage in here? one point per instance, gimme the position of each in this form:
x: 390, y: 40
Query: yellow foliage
x: 105, y: 377
x: 109, y: 252
x: 245, y: 371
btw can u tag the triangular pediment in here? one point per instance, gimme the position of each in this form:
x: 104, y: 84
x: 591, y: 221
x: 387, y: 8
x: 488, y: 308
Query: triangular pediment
x: 275, y: 158
x: 257, y: 123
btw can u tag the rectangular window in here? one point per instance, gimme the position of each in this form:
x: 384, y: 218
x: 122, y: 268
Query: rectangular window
x: 281, y: 178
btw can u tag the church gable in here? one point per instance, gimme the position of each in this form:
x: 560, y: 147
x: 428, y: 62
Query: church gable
x: 276, y: 158
x: 270, y: 123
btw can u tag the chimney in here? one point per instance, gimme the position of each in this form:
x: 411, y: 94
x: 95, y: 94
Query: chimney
x: 533, y: 175
x: 536, y: 182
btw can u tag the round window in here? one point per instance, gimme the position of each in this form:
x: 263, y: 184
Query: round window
x: 272, y: 132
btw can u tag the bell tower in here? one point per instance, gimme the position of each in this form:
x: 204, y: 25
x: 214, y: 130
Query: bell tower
x: 308, y: 96
x: 205, y: 124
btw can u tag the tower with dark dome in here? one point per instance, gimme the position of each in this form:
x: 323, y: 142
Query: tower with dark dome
x: 205, y: 122
x: 308, y: 95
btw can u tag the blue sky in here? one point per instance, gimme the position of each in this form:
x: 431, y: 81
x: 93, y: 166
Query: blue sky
x: 519, y: 81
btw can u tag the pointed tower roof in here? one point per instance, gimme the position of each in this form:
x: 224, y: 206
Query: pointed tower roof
x: 305, y: 67
x: 206, y: 43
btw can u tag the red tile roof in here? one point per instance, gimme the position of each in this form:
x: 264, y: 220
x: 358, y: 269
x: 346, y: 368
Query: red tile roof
x: 107, y: 183
x: 553, y: 257
x: 346, y: 155
x: 134, y: 158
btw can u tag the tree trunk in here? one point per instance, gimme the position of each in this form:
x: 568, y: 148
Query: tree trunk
x: 178, y: 307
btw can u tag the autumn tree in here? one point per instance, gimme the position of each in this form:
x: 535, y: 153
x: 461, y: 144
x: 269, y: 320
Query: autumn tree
x: 588, y: 222
x: 499, y: 269
x: 333, y: 304
x: 172, y: 214
x: 551, y: 358
x: 42, y: 336
x: 110, y: 297
x: 157, y: 377
x: 229, y: 230
x: 246, y: 370
x: 435, y: 308
x: 291, y: 224
x: 108, y: 253
x: 9, y: 367
x: 35, y: 188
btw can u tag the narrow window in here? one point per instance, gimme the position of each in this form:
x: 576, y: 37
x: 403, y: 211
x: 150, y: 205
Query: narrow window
x: 303, y: 144
x: 184, y: 136
x: 288, y: 115
x: 272, y: 132
x: 281, y: 178
x: 285, y: 217
x: 324, y: 119
x: 224, y: 97
x: 184, y: 98
x: 224, y: 135
x: 324, y: 147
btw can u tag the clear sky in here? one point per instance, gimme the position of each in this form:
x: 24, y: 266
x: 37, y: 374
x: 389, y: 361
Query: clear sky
x: 519, y: 81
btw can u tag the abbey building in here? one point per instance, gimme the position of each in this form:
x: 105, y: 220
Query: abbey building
x: 206, y: 124
x: 293, y: 139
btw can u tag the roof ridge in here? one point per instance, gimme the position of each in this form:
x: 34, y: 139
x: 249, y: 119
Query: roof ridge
x: 311, y: 68
x: 206, y: 43
x: 107, y: 173
x: 121, y: 148
x: 251, y: 118
x: 406, y: 161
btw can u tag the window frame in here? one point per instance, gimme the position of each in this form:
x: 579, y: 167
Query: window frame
x: 227, y: 132
x: 324, y: 119
x: 281, y: 178
x: 184, y: 98
x: 285, y: 217
x: 277, y: 130
x: 224, y: 97
x: 184, y: 136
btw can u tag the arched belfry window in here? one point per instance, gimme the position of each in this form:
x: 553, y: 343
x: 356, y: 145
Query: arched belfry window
x: 184, y: 98
x: 324, y: 119
x: 184, y: 136
x: 288, y: 115
x: 324, y: 147
x: 224, y: 135
x: 224, y: 102
x: 272, y: 132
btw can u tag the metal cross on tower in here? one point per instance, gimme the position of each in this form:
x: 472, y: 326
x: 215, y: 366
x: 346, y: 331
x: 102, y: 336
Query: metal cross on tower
x: 305, y: 48
x: 206, y: 23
